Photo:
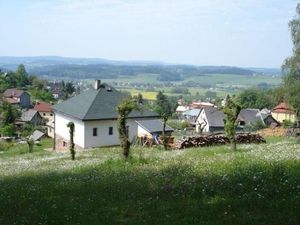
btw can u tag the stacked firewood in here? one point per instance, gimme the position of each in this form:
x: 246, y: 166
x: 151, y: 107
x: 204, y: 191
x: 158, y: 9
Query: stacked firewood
x: 210, y: 140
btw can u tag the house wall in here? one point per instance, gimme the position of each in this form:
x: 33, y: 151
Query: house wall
x: 50, y: 129
x: 47, y: 115
x: 25, y: 100
x: 103, y: 138
x: 37, y: 120
x: 280, y: 117
x: 200, y: 120
x: 62, y: 131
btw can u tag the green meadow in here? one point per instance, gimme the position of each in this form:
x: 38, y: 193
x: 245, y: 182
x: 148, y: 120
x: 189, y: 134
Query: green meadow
x: 258, y: 184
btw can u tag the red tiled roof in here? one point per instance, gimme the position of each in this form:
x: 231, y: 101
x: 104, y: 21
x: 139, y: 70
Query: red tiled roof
x: 283, y: 107
x: 43, y: 107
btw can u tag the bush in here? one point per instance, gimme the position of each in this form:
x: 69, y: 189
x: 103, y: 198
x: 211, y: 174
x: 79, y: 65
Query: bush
x: 287, y: 124
x: 4, y: 146
x: 8, y: 130
x: 178, y: 125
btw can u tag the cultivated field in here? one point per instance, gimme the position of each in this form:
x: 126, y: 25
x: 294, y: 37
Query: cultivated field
x: 222, y: 84
x: 258, y: 184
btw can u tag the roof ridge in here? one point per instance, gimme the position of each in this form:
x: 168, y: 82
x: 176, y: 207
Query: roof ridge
x: 92, y: 103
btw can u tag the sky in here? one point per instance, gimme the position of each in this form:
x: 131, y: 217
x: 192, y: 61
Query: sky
x: 245, y: 33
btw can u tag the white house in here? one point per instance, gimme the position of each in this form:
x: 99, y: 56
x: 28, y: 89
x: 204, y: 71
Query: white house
x: 210, y: 119
x: 94, y: 114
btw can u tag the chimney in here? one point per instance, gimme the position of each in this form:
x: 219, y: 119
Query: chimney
x: 97, y: 84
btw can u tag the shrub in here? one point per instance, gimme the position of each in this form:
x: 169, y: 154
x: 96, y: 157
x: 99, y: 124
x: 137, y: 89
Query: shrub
x: 8, y: 130
x: 287, y: 124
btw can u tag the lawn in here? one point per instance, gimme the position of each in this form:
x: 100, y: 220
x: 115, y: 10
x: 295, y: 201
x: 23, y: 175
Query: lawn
x: 258, y: 184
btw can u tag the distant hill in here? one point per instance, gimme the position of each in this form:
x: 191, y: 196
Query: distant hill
x: 267, y: 71
x: 91, y: 68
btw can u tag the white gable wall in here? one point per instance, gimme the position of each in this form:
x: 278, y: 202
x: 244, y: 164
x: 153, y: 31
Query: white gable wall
x: 142, y: 132
x: 62, y: 130
x: 200, y: 120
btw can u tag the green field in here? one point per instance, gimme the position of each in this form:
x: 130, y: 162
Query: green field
x: 222, y: 84
x: 258, y: 184
x: 209, y: 79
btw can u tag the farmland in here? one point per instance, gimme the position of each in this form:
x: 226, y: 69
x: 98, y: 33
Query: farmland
x: 221, y: 84
x: 258, y: 184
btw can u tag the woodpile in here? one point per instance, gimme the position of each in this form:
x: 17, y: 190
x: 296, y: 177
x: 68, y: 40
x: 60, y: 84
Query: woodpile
x: 273, y: 132
x: 210, y: 140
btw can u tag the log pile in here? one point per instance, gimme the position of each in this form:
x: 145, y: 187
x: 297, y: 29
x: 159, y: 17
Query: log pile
x: 273, y: 132
x: 210, y: 140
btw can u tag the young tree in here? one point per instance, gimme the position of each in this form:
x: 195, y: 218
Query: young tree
x: 124, y: 109
x: 164, y: 108
x: 291, y: 66
x: 231, y: 110
x: 71, y: 126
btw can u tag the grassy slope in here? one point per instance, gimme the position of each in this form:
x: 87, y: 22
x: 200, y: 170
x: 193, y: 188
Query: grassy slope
x: 256, y: 185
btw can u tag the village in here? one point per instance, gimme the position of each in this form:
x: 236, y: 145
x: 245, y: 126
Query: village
x: 171, y: 112
x: 94, y: 114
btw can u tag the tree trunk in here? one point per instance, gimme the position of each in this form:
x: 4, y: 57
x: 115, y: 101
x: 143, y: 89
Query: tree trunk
x: 72, y: 145
x: 165, y: 138
x: 233, y: 144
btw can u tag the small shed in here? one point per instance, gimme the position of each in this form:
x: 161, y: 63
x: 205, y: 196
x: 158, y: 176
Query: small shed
x: 37, y: 135
x: 152, y: 128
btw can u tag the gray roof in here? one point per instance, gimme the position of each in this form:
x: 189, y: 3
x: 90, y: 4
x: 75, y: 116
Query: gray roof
x: 214, y: 116
x: 37, y: 135
x: 250, y: 116
x: 192, y: 112
x: 153, y: 126
x: 27, y: 116
x: 98, y: 104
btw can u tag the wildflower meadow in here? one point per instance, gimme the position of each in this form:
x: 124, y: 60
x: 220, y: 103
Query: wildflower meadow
x: 258, y: 184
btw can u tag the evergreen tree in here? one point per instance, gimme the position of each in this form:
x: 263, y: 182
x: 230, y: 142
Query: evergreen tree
x: 22, y: 76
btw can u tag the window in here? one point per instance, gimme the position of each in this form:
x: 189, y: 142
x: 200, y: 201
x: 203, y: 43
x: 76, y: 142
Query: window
x: 95, y: 131
x: 127, y: 130
x: 64, y: 144
x: 110, y: 130
x: 44, y: 114
x: 51, y: 114
x: 242, y: 123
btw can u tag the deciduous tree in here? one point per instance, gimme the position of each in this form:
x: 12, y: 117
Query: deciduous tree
x: 164, y: 108
x: 124, y: 109
x: 291, y: 66
x: 231, y: 110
